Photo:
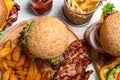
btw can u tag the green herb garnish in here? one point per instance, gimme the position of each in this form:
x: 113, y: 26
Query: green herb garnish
x: 54, y: 59
x: 25, y: 31
x: 108, y: 8
x: 1, y: 34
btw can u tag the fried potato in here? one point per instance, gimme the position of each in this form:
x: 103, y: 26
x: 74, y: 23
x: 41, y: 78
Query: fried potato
x: 16, y: 53
x: 31, y: 71
x: 22, y: 77
x: 5, y: 65
x: 14, y: 43
x: 1, y: 65
x: 83, y: 6
x: 5, y: 51
x: 18, y: 68
x: 13, y: 77
x: 22, y: 72
x: 21, y: 61
x: 7, y: 44
x: 38, y: 76
x: 8, y: 57
x: 27, y: 63
x: 6, y: 74
x: 11, y: 64
x: 35, y: 70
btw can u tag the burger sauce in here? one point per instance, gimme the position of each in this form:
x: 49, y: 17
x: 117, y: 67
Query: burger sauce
x: 41, y: 6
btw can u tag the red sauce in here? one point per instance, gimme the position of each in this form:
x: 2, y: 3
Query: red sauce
x: 41, y: 6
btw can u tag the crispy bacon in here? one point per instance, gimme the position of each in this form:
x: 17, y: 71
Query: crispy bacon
x: 73, y: 63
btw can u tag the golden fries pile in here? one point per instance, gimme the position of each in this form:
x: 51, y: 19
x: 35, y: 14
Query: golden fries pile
x: 15, y: 65
x: 83, y: 6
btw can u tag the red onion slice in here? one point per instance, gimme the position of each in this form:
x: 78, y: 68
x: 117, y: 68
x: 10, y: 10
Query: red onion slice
x: 90, y: 36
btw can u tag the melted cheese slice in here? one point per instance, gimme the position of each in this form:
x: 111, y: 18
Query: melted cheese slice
x: 9, y: 4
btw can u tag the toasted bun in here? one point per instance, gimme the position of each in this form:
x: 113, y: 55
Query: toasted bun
x: 3, y: 14
x: 48, y: 37
x: 110, y: 35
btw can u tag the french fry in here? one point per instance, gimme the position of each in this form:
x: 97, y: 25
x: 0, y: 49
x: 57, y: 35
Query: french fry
x: 27, y: 63
x: 22, y: 77
x: 6, y: 74
x: 38, y: 76
x: 10, y: 63
x: 22, y: 72
x: 7, y: 44
x: 5, y: 65
x: 14, y: 43
x: 18, y: 68
x: 31, y: 71
x: 1, y: 65
x: 16, y: 53
x: 21, y: 61
x: 35, y: 70
x: 5, y: 51
x: 13, y: 77
x: 8, y: 57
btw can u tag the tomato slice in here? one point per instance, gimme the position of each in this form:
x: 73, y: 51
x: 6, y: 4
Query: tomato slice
x: 118, y: 76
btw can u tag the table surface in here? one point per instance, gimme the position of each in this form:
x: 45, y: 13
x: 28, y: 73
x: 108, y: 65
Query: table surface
x: 26, y: 13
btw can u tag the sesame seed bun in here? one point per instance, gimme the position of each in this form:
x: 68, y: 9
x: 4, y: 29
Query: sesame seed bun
x: 48, y: 37
x: 110, y: 35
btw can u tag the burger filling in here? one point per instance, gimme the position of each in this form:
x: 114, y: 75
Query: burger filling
x: 13, y: 15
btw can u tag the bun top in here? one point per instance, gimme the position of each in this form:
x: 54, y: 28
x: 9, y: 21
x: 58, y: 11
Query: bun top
x: 110, y: 35
x: 48, y: 38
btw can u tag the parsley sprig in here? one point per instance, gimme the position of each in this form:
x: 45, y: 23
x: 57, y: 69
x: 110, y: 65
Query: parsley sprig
x: 108, y: 8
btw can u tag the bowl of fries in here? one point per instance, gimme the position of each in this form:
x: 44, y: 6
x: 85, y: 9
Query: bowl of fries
x: 80, y: 12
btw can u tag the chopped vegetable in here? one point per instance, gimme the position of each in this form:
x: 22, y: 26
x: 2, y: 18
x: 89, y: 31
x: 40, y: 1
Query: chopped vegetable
x: 113, y: 73
x: 108, y: 8
x: 55, y: 59
x: 25, y: 31
x: 1, y: 34
x: 105, y: 69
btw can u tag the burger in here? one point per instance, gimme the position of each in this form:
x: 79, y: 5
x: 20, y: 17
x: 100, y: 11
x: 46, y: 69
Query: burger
x: 8, y: 13
x: 47, y: 40
x: 103, y: 37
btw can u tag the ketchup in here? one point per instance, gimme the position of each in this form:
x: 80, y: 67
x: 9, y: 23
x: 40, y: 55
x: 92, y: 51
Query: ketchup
x: 41, y: 6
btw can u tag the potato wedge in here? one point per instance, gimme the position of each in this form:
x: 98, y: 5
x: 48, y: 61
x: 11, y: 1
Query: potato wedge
x: 1, y: 66
x: 22, y: 77
x: 14, y: 43
x: 16, y: 55
x: 22, y: 72
x: 18, y: 67
x: 35, y: 71
x: 5, y: 51
x: 31, y: 71
x: 6, y: 74
x: 27, y: 63
x: 4, y: 63
x: 13, y: 77
x: 11, y: 63
x: 38, y: 77
x: 21, y: 61
x: 8, y: 57
x: 7, y: 44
